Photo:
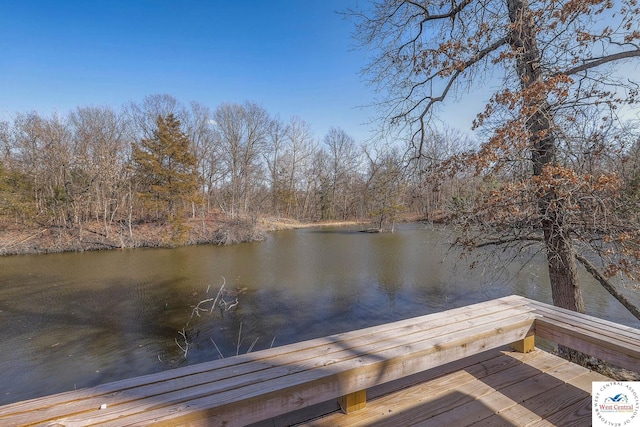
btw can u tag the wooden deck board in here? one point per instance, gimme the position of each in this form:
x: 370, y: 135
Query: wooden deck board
x: 445, y: 341
x: 302, y: 358
x: 448, y: 368
x: 366, y: 369
x: 578, y: 415
x: 488, y: 361
x: 559, y: 312
x: 520, y: 389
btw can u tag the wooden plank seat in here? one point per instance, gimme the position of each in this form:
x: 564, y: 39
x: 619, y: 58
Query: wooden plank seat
x: 556, y: 392
x: 253, y: 387
x: 615, y: 343
x: 507, y: 389
x: 266, y: 384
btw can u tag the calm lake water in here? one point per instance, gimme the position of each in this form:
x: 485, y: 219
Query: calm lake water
x: 80, y: 319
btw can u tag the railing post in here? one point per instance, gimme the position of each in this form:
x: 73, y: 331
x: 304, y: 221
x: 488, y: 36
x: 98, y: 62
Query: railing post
x: 353, y: 401
x: 524, y: 345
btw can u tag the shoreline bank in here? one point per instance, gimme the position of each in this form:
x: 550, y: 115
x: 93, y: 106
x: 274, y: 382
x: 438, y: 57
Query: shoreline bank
x: 23, y: 240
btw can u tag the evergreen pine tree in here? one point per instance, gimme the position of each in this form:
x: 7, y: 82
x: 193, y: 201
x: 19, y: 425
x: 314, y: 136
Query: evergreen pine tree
x: 166, y: 171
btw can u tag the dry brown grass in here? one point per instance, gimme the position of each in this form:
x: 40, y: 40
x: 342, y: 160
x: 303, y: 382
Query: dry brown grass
x: 214, y: 229
x: 273, y: 224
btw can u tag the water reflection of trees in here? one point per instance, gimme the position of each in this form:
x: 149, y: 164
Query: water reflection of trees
x: 389, y: 253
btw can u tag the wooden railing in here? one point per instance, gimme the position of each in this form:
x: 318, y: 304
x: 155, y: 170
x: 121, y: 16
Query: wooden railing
x: 259, y: 386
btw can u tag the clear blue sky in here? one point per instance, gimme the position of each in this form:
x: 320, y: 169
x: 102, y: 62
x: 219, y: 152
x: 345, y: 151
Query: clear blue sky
x: 291, y: 56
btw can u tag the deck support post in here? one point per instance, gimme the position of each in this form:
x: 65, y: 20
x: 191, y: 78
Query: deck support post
x: 353, y: 401
x: 524, y: 345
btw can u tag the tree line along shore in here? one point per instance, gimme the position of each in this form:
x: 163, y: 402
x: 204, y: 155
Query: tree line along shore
x: 160, y: 173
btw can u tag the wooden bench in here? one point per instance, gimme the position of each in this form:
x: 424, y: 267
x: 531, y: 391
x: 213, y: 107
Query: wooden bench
x: 259, y: 386
x: 252, y: 387
x: 615, y: 343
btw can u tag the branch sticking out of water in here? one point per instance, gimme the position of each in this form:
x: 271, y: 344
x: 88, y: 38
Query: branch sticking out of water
x: 197, y: 309
x: 228, y: 305
x: 184, y: 349
x: 201, y: 307
x: 252, y: 345
x: 218, y: 295
x: 216, y: 346
x: 239, y: 335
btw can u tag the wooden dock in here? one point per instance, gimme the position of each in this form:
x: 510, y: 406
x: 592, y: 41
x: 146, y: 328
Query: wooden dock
x: 500, y: 388
x: 445, y: 368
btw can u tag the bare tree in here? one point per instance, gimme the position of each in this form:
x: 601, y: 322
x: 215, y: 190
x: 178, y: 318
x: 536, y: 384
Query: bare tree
x: 554, y: 60
x: 199, y: 126
x: 434, y: 195
x: 288, y: 156
x: 241, y: 133
x: 301, y: 146
x: 99, y: 150
x: 344, y: 163
x: 142, y: 116
x: 386, y: 185
x: 43, y: 150
x: 16, y: 195
x: 5, y: 145
x: 273, y: 155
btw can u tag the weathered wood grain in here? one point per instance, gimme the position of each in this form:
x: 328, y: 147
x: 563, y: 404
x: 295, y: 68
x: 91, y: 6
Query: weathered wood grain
x: 263, y: 385
x: 308, y: 370
x: 516, y: 396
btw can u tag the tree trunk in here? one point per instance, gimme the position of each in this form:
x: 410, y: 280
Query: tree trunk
x: 563, y: 271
